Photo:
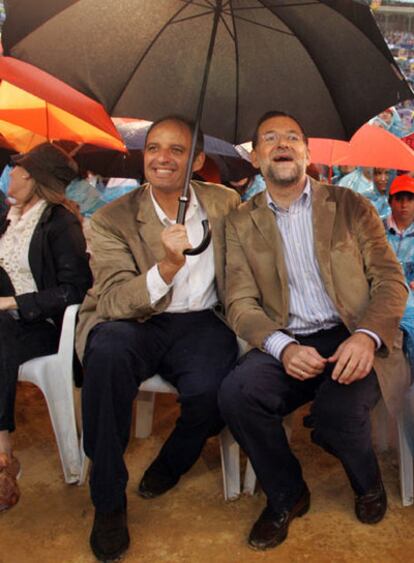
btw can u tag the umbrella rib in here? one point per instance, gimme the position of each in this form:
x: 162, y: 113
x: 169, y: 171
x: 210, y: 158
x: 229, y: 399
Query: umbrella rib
x: 300, y: 4
x: 226, y: 25
x: 147, y: 50
x: 236, y: 46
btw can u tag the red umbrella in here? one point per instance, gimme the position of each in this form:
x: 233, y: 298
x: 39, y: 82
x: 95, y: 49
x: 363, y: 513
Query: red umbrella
x: 370, y: 146
x: 35, y: 106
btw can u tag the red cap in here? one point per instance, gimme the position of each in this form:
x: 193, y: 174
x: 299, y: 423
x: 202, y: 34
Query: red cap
x: 403, y: 183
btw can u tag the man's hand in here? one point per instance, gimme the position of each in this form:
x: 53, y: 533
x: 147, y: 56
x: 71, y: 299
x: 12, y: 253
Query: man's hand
x: 302, y: 362
x: 354, y: 358
x: 174, y: 240
x: 7, y: 303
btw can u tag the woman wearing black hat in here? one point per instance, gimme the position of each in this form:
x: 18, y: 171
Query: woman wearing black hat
x: 43, y: 269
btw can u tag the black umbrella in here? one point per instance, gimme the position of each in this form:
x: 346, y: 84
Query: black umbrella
x: 223, y: 62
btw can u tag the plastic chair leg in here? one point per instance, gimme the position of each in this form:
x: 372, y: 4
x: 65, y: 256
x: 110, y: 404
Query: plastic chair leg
x: 60, y: 403
x: 230, y: 465
x: 406, y: 466
x: 145, y: 414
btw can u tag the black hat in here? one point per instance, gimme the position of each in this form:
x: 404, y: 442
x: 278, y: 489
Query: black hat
x: 49, y: 165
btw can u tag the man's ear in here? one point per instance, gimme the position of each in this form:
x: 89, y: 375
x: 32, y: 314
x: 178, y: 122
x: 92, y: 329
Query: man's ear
x: 198, y: 162
x: 308, y: 156
x: 253, y: 159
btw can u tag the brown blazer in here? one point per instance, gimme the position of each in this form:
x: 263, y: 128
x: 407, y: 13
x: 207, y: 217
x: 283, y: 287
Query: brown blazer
x: 126, y: 243
x: 358, y: 267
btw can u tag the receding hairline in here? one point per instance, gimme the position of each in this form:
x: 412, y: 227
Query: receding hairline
x: 186, y: 123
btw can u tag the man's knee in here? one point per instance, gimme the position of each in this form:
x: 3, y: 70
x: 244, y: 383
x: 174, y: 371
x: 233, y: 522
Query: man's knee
x: 109, y: 359
x: 337, y: 425
x: 339, y: 415
x: 231, y: 399
x: 108, y: 339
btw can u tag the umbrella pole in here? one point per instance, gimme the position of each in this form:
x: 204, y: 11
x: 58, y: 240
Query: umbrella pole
x: 184, y: 198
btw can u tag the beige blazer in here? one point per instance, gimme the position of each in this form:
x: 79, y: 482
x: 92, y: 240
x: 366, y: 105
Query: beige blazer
x: 358, y: 267
x: 126, y: 243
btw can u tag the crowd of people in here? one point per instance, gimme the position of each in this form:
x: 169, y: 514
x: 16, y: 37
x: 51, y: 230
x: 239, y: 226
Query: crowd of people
x: 317, y: 279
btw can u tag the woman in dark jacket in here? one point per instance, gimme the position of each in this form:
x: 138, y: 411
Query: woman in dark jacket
x: 43, y: 269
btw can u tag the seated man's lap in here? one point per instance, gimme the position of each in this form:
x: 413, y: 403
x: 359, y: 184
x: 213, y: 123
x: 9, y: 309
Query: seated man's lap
x: 260, y: 379
x: 197, y: 348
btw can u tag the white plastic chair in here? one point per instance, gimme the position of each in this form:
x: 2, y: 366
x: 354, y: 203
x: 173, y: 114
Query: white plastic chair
x: 53, y: 374
x: 384, y: 427
x: 229, y: 449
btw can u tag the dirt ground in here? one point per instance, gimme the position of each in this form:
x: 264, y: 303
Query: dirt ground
x: 191, y: 523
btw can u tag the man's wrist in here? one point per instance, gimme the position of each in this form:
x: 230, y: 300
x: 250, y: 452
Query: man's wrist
x: 371, y: 336
x: 168, y: 270
x: 285, y: 349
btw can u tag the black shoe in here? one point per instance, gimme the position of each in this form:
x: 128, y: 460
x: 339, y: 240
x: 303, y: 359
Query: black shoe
x: 153, y: 484
x: 271, y: 528
x: 371, y: 507
x: 109, y: 537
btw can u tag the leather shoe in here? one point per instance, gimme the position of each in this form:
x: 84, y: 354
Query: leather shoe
x: 154, y: 484
x: 271, y: 528
x: 109, y: 537
x: 371, y: 507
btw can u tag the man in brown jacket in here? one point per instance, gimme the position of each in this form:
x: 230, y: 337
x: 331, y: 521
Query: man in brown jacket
x: 313, y: 286
x: 151, y: 311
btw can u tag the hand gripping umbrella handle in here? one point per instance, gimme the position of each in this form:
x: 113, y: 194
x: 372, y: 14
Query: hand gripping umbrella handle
x: 204, y: 243
x: 182, y: 207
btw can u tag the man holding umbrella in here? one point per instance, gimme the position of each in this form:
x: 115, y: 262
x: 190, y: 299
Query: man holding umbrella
x: 151, y: 311
x: 313, y: 286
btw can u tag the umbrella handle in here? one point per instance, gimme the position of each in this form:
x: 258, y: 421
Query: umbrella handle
x: 204, y: 243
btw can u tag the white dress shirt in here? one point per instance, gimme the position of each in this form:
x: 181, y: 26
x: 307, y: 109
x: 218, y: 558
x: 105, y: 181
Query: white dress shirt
x: 194, y: 284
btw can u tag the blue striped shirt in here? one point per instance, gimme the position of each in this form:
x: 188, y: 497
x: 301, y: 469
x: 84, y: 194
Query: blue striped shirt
x: 310, y: 307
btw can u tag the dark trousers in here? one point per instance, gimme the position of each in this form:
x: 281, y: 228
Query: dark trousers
x: 258, y: 393
x: 193, y: 351
x: 20, y: 341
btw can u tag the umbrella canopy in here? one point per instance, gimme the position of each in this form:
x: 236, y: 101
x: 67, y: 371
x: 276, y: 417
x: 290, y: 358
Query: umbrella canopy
x: 35, y: 107
x: 324, y: 61
x: 370, y: 146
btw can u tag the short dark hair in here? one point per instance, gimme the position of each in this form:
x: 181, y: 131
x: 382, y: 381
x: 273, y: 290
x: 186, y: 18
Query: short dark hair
x: 184, y: 121
x: 269, y: 115
x: 410, y: 196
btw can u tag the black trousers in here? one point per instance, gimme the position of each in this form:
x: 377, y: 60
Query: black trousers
x: 193, y: 351
x: 20, y: 341
x: 258, y: 393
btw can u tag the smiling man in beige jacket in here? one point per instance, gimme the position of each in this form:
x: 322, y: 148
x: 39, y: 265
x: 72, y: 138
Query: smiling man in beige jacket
x: 151, y: 310
x: 313, y: 286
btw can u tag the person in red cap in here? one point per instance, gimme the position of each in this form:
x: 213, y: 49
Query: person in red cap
x: 400, y: 223
x: 399, y: 226
x: 44, y: 268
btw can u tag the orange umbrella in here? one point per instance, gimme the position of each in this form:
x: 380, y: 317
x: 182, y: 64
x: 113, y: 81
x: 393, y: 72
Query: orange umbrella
x: 370, y: 146
x: 35, y: 107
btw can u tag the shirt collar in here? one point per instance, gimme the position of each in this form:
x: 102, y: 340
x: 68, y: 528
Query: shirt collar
x: 15, y: 215
x: 193, y: 206
x: 391, y: 224
x: 303, y: 201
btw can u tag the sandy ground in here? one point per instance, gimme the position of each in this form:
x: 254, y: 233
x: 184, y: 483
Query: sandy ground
x: 191, y: 523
